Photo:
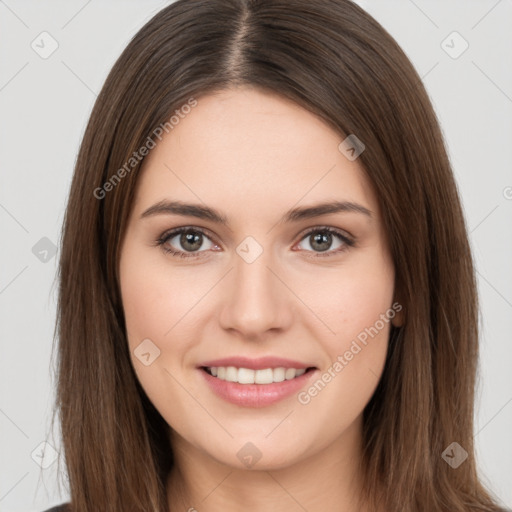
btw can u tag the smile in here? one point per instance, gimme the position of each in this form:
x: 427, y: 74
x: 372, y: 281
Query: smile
x: 249, y: 376
x: 262, y: 387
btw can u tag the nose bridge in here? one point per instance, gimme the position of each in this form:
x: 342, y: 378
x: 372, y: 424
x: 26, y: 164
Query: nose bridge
x: 257, y: 301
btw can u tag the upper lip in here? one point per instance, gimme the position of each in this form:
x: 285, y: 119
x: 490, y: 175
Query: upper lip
x: 256, y: 364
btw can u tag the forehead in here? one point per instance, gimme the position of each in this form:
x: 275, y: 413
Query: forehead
x: 252, y: 152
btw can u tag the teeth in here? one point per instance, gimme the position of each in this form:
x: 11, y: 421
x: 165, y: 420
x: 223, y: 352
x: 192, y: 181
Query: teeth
x: 248, y: 376
x: 231, y: 374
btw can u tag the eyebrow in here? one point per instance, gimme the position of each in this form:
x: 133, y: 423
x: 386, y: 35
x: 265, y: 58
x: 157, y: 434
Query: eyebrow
x: 294, y: 215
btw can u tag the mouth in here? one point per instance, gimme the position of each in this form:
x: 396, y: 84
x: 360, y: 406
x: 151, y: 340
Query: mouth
x: 256, y: 383
x: 243, y: 375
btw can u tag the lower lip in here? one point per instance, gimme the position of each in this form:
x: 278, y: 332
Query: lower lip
x: 255, y: 395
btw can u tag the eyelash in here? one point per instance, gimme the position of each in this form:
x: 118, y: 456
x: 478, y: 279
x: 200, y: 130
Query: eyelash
x: 168, y: 235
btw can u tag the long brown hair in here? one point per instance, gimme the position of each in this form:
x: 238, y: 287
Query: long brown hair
x: 335, y: 60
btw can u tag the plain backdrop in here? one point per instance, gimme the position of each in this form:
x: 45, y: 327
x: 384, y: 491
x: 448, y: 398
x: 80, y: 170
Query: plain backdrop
x: 45, y: 101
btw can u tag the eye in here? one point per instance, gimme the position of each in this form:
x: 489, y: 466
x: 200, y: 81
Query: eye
x: 321, y: 239
x: 191, y: 240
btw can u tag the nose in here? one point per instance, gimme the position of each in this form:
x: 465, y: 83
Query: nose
x: 257, y: 299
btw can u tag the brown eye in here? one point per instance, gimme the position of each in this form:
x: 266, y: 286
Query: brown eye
x: 322, y: 239
x: 191, y: 240
x: 184, y: 242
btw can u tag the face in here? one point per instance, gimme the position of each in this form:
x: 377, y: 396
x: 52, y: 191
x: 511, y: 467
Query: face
x: 265, y: 286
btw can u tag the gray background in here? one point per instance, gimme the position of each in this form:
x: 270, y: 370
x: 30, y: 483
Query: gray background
x: 44, y: 105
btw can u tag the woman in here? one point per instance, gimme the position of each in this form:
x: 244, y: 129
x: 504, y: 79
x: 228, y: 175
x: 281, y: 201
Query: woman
x: 267, y: 297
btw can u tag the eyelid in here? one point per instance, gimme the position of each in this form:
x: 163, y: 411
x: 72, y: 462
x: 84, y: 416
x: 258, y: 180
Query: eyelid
x: 347, y: 239
x: 171, y: 233
x: 337, y: 231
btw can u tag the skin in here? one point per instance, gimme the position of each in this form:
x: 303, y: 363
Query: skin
x: 253, y: 156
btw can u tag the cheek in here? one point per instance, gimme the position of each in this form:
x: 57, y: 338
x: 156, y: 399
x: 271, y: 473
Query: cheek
x: 362, y: 303
x: 350, y: 299
x: 150, y: 312
x: 147, y: 313
x: 161, y: 304
x: 356, y: 306
x: 156, y: 300
x: 359, y: 309
x: 154, y: 313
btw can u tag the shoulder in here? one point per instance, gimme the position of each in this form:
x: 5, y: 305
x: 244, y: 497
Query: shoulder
x: 64, y: 507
